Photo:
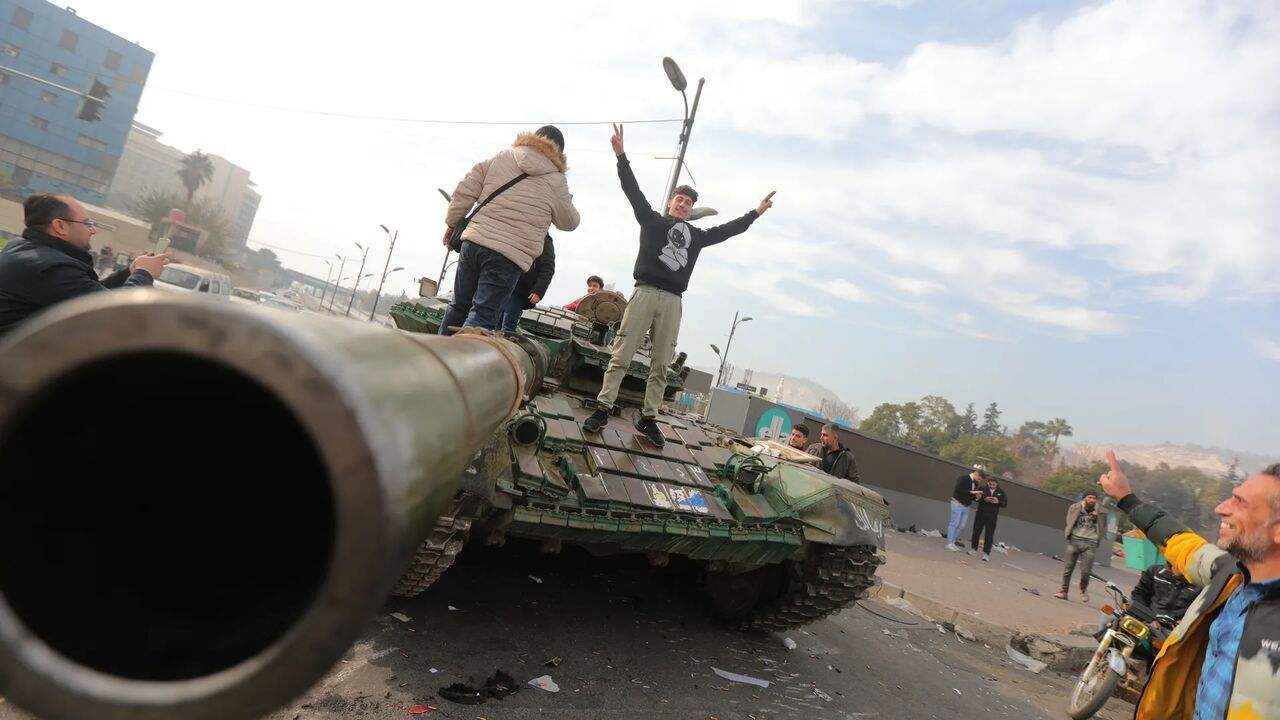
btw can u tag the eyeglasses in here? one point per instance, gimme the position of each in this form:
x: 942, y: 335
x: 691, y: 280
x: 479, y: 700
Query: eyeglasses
x: 86, y: 223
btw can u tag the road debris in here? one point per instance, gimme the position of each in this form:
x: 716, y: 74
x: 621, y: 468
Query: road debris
x: 788, y: 643
x: 1025, y: 661
x: 536, y: 579
x: 401, y: 617
x: 499, y: 685
x: 821, y: 694
x: 544, y: 682
x: 735, y: 677
x: 418, y: 710
x: 554, y: 662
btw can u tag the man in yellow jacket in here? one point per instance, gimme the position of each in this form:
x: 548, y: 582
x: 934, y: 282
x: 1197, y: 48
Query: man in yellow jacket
x: 1223, y: 660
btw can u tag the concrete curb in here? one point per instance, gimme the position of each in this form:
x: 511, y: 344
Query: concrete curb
x: 997, y: 636
x: 1064, y: 653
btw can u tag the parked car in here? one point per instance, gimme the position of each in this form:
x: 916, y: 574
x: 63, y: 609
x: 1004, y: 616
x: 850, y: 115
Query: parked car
x: 191, y: 279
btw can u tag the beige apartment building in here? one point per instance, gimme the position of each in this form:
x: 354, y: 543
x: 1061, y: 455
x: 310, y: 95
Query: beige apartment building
x: 150, y: 165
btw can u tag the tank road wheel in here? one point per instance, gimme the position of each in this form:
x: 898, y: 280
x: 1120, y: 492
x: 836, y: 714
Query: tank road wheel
x: 437, y: 552
x: 796, y: 592
x: 733, y: 597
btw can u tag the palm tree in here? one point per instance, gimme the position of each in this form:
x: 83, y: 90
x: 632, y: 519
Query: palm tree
x: 1056, y: 427
x: 197, y: 169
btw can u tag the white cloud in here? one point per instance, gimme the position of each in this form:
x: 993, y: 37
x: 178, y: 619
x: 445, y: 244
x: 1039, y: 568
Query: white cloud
x: 1269, y: 349
x: 916, y: 286
x: 964, y: 318
x: 1131, y: 146
x: 845, y: 290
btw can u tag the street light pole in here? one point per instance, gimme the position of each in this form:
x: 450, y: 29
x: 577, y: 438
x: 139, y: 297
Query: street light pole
x: 679, y: 83
x: 390, y: 250
x: 336, y: 283
x: 327, y: 275
x: 725, y: 357
x: 359, y: 277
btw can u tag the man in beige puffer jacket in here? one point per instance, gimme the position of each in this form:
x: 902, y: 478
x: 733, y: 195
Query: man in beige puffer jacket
x: 505, y: 237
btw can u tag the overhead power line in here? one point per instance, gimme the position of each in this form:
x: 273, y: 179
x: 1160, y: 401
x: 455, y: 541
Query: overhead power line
x: 393, y: 118
x: 289, y: 250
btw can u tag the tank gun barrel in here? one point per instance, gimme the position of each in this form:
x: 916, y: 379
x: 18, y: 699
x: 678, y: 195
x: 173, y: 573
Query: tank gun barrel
x: 202, y: 504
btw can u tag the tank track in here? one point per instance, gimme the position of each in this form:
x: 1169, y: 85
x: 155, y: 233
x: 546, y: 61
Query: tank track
x: 438, y: 551
x: 825, y: 583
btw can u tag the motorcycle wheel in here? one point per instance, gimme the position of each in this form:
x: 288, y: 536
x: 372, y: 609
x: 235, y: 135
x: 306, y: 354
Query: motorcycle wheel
x: 1096, y: 684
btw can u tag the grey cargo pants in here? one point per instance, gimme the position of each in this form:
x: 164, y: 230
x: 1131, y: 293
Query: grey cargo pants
x: 1083, y: 551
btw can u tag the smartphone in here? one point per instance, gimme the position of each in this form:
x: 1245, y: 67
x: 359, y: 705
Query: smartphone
x: 161, y: 245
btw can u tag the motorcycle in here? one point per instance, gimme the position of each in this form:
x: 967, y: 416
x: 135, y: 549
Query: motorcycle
x: 1127, y: 646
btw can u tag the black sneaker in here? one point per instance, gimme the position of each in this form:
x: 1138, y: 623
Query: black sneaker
x: 598, y: 420
x: 649, y: 427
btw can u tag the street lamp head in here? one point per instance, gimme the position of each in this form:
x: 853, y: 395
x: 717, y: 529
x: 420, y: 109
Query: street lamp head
x: 384, y: 229
x: 700, y: 212
x: 447, y: 196
x: 674, y: 75
x: 715, y: 350
x: 745, y: 319
x: 395, y: 269
x: 360, y: 246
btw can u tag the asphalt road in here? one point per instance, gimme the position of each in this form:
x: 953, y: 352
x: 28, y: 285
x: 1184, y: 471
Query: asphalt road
x: 633, y: 642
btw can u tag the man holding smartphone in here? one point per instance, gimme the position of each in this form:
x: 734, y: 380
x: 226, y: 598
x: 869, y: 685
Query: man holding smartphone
x: 967, y: 489
x: 51, y: 262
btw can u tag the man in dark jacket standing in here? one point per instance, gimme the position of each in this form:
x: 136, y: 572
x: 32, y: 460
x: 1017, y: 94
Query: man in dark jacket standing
x: 669, y: 248
x: 530, y: 288
x: 837, y: 460
x: 984, y: 519
x: 967, y: 487
x: 51, y: 262
x: 1084, y: 531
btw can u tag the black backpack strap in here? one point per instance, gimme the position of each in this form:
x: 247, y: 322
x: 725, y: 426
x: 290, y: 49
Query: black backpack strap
x: 499, y: 191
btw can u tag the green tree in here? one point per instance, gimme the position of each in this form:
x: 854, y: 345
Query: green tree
x: 991, y: 422
x: 992, y: 452
x: 1032, y: 439
x: 969, y: 421
x: 1056, y: 428
x: 196, y: 170
x: 1232, y: 476
x: 886, y: 422
x: 1075, y: 480
x: 936, y: 424
x: 154, y: 207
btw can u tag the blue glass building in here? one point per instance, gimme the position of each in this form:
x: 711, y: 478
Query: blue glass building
x: 44, y: 146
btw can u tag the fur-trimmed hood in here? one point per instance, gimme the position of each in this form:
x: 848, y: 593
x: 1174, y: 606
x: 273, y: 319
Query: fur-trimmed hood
x: 545, y: 148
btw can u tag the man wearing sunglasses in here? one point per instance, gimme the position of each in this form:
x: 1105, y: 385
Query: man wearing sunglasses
x: 51, y: 262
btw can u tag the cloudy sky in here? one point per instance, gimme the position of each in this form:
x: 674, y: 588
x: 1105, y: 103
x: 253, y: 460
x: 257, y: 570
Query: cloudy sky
x: 1068, y: 208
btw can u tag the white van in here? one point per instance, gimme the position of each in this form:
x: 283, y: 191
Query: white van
x: 190, y: 279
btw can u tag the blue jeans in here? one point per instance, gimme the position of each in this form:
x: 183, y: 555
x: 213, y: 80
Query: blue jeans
x: 959, y: 514
x: 480, y: 288
x: 511, y: 311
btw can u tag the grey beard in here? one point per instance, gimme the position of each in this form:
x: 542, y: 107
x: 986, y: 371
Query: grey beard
x: 1250, y: 548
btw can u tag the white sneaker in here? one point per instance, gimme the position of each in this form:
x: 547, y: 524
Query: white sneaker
x: 986, y: 557
x: 952, y: 547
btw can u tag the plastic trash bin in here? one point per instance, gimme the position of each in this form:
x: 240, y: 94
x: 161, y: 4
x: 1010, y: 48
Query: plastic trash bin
x: 1141, y: 553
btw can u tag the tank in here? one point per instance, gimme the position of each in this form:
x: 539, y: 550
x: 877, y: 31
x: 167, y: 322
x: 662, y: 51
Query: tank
x: 775, y: 542
x: 202, y: 503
